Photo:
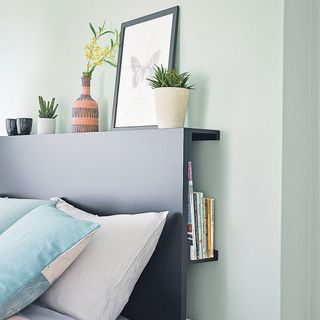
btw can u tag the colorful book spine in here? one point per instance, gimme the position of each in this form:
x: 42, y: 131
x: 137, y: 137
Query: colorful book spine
x: 210, y: 226
x: 199, y: 210
x: 204, y: 230
x: 200, y: 225
x: 196, y: 227
x: 212, y: 205
x: 191, y: 221
x: 190, y: 203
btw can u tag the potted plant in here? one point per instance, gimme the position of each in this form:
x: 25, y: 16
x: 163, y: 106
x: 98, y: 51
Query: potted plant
x: 101, y: 50
x: 171, y: 93
x: 47, y: 116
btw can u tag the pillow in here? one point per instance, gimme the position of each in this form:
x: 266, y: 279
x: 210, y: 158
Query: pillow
x: 37, y: 312
x: 11, y: 210
x: 34, y: 252
x: 98, y: 285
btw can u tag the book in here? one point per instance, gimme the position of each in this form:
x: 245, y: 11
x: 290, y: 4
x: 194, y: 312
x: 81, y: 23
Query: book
x: 191, y: 222
x: 196, y: 227
x: 209, y: 229
x: 190, y: 202
x: 199, y: 224
x: 204, y: 230
x: 209, y: 204
x: 212, y: 206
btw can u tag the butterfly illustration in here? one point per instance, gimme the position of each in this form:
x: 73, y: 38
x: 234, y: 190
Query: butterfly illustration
x: 141, y: 72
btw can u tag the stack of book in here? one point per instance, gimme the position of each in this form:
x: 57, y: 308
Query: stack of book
x: 200, y: 222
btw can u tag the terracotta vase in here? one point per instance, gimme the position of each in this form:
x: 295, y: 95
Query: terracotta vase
x: 85, y: 112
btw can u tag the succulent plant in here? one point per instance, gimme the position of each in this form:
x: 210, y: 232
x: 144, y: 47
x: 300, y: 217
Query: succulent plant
x: 47, y: 109
x: 169, y: 78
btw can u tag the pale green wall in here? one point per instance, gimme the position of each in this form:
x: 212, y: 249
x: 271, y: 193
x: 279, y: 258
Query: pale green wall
x: 300, y: 278
x: 297, y: 134
x: 315, y: 165
x: 234, y: 51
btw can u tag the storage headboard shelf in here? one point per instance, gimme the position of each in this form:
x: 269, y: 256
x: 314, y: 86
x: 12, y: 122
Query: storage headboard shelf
x: 112, y: 173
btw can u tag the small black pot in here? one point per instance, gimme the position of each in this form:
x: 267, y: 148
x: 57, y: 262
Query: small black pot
x: 11, y: 126
x: 24, y: 126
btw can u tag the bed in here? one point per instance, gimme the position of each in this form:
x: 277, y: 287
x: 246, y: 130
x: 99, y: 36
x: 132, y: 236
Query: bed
x: 114, y: 173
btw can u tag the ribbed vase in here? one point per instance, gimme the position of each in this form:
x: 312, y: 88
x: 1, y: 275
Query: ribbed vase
x: 85, y: 112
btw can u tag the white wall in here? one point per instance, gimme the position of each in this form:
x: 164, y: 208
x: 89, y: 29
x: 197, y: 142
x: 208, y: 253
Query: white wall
x: 234, y: 51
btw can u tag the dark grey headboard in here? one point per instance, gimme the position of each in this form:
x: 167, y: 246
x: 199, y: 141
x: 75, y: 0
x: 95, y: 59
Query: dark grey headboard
x: 112, y: 173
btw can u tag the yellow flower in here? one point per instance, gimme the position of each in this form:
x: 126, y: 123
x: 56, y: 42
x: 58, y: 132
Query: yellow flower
x: 106, y: 51
x: 97, y: 55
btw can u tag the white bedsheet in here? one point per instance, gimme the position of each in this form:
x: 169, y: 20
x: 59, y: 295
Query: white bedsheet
x: 36, y: 312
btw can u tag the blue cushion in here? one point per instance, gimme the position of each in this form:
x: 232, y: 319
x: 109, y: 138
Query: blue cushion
x: 45, y: 236
x: 11, y: 210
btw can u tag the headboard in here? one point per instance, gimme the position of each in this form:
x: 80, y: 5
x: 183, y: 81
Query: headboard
x: 113, y: 173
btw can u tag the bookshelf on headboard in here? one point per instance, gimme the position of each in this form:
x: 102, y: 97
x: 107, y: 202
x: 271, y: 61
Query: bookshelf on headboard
x: 192, y: 136
x: 112, y: 173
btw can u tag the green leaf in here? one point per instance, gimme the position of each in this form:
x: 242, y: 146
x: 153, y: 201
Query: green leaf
x: 92, y: 29
x: 103, y: 33
x: 55, y: 109
x: 111, y: 63
x: 52, y: 103
x: 104, y: 25
x: 40, y: 101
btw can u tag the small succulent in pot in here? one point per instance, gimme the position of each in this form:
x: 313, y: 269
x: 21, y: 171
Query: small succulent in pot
x: 170, y: 78
x: 171, y: 93
x: 47, y: 116
x: 47, y: 109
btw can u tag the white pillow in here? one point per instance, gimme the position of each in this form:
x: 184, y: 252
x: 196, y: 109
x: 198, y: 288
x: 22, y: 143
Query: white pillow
x: 99, y: 283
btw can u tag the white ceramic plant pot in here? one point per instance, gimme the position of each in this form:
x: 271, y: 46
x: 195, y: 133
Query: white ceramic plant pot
x: 171, y: 105
x: 46, y: 126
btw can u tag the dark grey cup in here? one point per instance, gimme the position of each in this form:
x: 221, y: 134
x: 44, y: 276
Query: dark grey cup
x: 24, y: 126
x: 11, y: 126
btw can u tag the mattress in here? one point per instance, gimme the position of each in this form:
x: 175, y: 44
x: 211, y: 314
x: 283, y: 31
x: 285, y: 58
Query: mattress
x: 36, y: 312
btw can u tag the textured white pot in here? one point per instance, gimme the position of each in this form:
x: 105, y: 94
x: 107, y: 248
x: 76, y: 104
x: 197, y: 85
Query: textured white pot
x: 46, y: 126
x: 171, y: 106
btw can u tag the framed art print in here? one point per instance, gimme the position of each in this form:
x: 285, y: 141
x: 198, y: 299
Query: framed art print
x: 144, y: 43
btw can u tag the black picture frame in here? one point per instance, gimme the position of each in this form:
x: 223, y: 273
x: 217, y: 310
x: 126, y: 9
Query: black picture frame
x: 171, y: 63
